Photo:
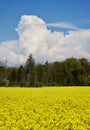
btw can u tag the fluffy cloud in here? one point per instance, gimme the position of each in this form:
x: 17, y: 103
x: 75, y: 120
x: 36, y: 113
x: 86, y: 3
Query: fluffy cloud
x: 35, y: 38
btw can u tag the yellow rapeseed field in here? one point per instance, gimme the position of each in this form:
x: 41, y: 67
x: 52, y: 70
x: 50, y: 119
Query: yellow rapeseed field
x: 46, y: 108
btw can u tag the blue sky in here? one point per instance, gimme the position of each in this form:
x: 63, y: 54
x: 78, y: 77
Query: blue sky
x: 76, y: 12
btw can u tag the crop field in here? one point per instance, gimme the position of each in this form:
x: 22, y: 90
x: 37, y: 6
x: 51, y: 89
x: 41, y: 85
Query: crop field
x: 46, y: 108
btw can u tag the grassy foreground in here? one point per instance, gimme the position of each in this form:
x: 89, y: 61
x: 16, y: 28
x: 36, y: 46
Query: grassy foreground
x: 58, y: 108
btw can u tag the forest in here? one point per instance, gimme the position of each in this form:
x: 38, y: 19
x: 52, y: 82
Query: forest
x: 70, y: 72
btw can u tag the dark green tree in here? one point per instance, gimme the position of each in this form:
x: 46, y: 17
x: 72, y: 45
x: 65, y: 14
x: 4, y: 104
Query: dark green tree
x: 30, y: 70
x: 75, y: 71
x: 21, y: 76
x: 13, y: 76
x: 3, y: 74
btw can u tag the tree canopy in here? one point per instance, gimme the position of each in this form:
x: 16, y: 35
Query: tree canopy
x: 71, y: 72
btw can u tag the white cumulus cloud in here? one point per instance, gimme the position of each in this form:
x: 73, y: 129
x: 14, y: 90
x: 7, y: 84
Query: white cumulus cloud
x: 35, y: 38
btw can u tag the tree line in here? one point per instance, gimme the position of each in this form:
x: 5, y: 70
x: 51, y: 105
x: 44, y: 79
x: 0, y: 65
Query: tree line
x: 70, y: 72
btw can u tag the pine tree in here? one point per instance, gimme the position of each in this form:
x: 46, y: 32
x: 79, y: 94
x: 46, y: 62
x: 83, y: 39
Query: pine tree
x: 30, y: 64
